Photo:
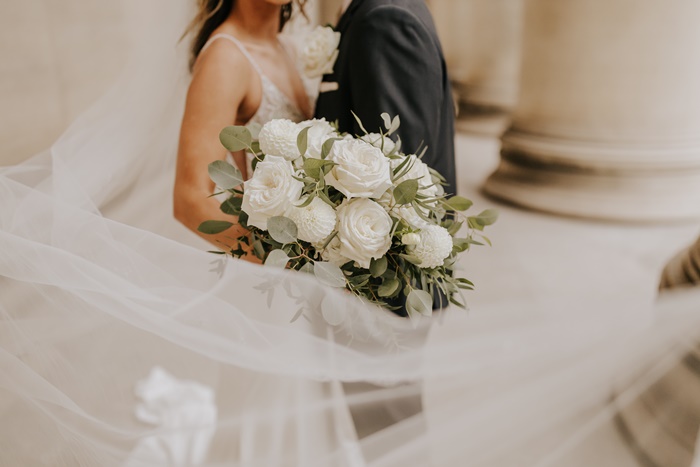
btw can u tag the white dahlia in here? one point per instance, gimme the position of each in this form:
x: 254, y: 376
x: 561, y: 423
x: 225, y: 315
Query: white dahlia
x: 315, y: 221
x: 279, y: 138
x: 435, y: 246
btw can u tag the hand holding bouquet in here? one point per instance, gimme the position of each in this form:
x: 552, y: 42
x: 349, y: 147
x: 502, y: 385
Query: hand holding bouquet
x: 355, y: 211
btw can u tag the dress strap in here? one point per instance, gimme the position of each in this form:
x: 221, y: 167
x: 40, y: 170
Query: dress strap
x: 240, y: 46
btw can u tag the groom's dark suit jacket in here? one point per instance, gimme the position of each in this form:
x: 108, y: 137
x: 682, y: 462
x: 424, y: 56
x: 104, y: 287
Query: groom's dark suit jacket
x: 390, y: 60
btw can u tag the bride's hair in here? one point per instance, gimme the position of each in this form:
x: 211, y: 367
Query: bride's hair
x: 210, y: 15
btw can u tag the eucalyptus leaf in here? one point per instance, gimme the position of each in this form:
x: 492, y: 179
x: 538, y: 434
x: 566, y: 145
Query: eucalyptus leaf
x: 377, y: 267
x: 329, y: 274
x: 406, y: 192
x: 460, y: 244
x: 388, y: 288
x: 232, y: 206
x: 387, y: 120
x: 225, y: 175
x: 308, y: 268
x: 277, y: 259
x: 327, y: 147
x: 313, y: 167
x: 411, y: 259
x: 236, y: 138
x: 420, y: 302
x: 391, y: 124
x: 487, y: 217
x: 395, y: 124
x: 309, y: 199
x: 258, y: 249
x: 458, y: 203
x: 303, y: 140
x: 359, y: 123
x: 282, y: 229
x: 214, y: 227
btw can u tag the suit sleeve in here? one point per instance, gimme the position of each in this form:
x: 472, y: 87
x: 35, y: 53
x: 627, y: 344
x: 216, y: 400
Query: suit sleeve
x: 396, y: 68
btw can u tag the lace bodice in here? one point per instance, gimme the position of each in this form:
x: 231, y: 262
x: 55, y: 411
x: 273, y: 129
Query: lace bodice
x: 274, y: 103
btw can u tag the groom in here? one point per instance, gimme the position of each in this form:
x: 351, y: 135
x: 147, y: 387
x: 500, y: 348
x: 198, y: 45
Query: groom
x: 390, y: 60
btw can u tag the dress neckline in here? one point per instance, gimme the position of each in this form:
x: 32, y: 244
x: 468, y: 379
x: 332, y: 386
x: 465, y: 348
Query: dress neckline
x: 263, y: 77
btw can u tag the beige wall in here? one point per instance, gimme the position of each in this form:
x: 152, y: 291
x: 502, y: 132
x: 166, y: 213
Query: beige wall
x: 58, y: 56
x: 55, y: 58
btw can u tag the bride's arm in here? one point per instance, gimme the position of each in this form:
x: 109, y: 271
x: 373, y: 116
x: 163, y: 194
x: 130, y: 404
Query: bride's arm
x: 220, y: 82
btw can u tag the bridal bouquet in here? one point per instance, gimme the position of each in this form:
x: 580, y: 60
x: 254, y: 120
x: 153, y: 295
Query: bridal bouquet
x: 354, y: 211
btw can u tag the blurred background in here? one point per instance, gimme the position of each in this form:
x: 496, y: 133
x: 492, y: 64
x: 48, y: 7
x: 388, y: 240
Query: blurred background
x: 595, y: 104
x: 586, y: 110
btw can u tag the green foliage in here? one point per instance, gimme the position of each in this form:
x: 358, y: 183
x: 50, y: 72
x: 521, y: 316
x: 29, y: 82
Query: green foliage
x: 303, y: 140
x: 389, y: 288
x: 390, y: 124
x: 327, y: 147
x: 277, y: 259
x: 282, y: 229
x: 378, y: 266
x: 236, y: 138
x: 214, y: 227
x: 419, y: 302
x: 225, y: 175
x: 397, y: 277
x: 329, y: 274
x: 457, y: 203
x: 406, y: 192
x: 314, y: 168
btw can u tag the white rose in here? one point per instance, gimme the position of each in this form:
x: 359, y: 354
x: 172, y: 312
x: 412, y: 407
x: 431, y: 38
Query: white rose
x: 419, y: 171
x: 315, y: 221
x: 320, y: 131
x: 361, y: 170
x: 378, y: 141
x: 279, y: 138
x: 435, y: 246
x: 270, y: 191
x: 364, y: 230
x: 332, y: 253
x: 320, y: 52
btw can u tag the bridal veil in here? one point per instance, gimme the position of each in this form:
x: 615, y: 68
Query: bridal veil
x: 123, y: 342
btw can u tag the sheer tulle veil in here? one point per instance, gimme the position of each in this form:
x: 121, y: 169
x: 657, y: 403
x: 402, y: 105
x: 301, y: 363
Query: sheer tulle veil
x: 123, y: 342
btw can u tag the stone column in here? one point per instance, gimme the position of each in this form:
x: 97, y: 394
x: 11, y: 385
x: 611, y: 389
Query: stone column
x: 481, y: 41
x: 607, y: 123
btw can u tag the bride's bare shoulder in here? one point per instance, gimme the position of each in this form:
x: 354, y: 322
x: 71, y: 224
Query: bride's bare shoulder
x: 222, y: 57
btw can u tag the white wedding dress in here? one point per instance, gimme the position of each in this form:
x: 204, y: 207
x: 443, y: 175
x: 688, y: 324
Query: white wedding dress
x: 124, y: 343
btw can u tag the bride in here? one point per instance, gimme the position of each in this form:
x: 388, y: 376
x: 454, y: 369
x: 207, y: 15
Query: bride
x: 122, y: 342
x: 242, y: 73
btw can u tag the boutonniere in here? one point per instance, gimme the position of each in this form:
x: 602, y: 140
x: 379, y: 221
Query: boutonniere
x: 320, y: 52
